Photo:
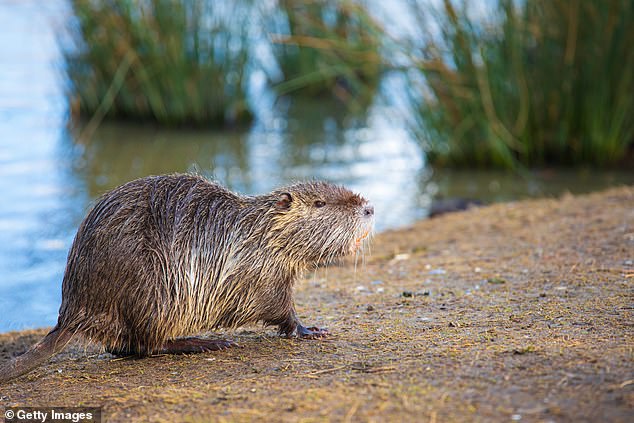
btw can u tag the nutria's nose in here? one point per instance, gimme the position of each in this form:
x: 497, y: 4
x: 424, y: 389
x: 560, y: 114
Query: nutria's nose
x: 368, y: 211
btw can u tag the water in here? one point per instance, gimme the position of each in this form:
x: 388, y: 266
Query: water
x: 48, y: 179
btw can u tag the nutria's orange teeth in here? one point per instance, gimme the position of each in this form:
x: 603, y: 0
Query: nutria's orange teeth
x: 362, y: 237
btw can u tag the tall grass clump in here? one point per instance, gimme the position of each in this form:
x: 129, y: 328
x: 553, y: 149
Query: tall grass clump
x: 326, y: 47
x: 538, y: 82
x: 172, y: 62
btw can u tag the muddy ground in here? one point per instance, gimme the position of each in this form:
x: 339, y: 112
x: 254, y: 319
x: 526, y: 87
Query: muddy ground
x: 513, y: 312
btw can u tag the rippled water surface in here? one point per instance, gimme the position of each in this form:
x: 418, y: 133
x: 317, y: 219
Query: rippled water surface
x: 48, y: 180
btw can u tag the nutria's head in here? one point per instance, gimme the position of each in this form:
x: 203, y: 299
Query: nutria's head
x: 316, y: 222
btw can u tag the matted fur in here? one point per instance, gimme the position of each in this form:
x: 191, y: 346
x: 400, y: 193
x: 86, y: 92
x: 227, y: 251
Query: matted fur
x: 169, y: 256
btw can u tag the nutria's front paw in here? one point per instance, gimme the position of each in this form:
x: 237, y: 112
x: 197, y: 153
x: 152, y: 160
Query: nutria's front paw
x: 311, y: 332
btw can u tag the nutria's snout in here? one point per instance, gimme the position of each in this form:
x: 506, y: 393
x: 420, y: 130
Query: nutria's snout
x: 366, y: 223
x: 365, y: 228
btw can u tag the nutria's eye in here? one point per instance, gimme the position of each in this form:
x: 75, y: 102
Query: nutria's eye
x: 319, y: 203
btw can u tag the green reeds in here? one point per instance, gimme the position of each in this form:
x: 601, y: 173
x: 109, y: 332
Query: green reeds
x: 326, y: 47
x: 172, y: 62
x: 537, y: 82
x: 541, y: 82
x: 187, y: 61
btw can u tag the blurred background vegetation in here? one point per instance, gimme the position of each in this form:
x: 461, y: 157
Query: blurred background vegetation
x: 528, y: 83
x: 537, y: 82
x: 168, y: 61
x: 327, y: 48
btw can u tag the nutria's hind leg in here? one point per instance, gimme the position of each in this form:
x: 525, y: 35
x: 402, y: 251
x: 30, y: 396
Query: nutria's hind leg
x: 122, y: 352
x: 194, y: 345
x: 178, y: 346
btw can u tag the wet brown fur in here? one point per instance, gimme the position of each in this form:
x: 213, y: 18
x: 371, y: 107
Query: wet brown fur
x: 169, y: 256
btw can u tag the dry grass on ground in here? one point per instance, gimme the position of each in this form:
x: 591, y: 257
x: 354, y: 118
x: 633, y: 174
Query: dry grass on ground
x: 517, y: 311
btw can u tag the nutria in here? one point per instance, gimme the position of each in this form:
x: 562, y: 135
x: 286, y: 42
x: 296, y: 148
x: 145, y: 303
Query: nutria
x: 165, y: 257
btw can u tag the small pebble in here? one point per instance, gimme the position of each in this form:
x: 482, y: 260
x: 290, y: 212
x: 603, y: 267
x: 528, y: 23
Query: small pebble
x: 407, y: 294
x: 370, y: 308
x: 437, y: 272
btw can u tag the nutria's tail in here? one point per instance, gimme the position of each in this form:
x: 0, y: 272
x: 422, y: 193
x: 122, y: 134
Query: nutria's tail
x: 38, y: 354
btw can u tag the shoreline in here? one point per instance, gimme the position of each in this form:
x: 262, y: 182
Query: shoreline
x: 513, y: 309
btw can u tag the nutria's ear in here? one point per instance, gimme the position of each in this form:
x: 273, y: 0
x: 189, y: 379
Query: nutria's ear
x: 284, y: 201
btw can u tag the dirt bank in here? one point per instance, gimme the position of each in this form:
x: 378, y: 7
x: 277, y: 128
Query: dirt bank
x: 519, y: 311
